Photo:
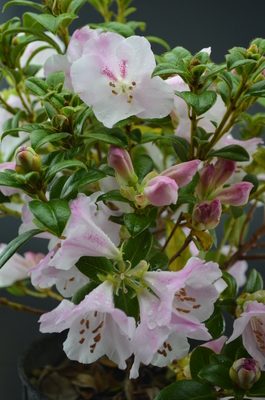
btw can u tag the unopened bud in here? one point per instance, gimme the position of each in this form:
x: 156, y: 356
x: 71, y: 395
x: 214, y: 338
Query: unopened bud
x: 27, y: 160
x: 245, y: 298
x: 120, y: 160
x: 245, y: 372
x: 206, y: 216
x: 253, y: 52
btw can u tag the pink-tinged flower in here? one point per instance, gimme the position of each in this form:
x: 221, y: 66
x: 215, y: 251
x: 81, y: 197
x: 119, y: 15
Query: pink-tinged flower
x: 96, y: 327
x: 59, y: 62
x: 235, y: 195
x: 41, y: 56
x: 184, y: 299
x: 251, y: 325
x: 161, y: 191
x: 216, y: 345
x: 6, y: 190
x: 223, y: 170
x: 114, y: 78
x: 206, y: 216
x: 17, y: 266
x: 120, y: 160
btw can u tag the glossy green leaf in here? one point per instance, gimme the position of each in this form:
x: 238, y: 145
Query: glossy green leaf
x: 217, y: 375
x: 36, y: 86
x: 186, y: 390
x: 113, y: 136
x: 158, y: 40
x: 136, y: 223
x: 229, y: 350
x: 92, y: 266
x: 169, y: 69
x: 81, y: 178
x: 257, y: 89
x: 232, y: 152
x: 216, y: 323
x: 137, y: 249
x: 200, y: 358
x: 113, y: 195
x: 66, y: 164
x: 231, y: 64
x: 55, y: 79
x: 81, y: 293
x: 200, y: 103
x: 254, y: 282
x: 228, y: 305
x: 26, y: 3
x: 142, y: 166
x: 53, y: 215
x: 40, y: 137
x: 258, y: 389
x: 231, y: 289
x: 75, y: 5
x: 16, y: 243
x: 52, y: 23
x: 113, y: 26
x: 127, y: 302
x: 157, y: 260
x: 219, y: 359
x: 6, y: 179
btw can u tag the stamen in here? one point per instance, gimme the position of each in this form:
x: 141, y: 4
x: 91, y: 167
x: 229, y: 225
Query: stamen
x: 97, y: 338
x: 82, y: 340
x: 196, y: 306
x: 87, y: 324
x: 169, y: 347
x: 260, y: 321
x: 165, y: 345
x: 114, y: 92
x: 81, y: 332
x: 133, y: 83
x: 95, y: 313
x: 72, y: 279
x: 100, y: 326
x: 82, y: 321
x: 59, y: 245
x: 112, y: 84
x: 65, y: 285
x: 163, y: 352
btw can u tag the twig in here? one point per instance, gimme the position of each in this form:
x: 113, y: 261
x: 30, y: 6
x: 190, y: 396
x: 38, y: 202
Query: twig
x: 249, y: 218
x: 172, y: 232
x: 183, y: 247
x: 253, y: 257
x: 20, y: 307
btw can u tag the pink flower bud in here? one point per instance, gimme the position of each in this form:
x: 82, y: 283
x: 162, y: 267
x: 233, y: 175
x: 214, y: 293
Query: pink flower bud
x: 120, y: 160
x: 27, y: 160
x: 244, y: 372
x: 235, y: 195
x: 206, y: 176
x: 223, y: 170
x: 182, y: 173
x: 206, y: 216
x: 161, y: 191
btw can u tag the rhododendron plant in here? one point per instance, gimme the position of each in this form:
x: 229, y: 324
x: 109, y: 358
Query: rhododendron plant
x: 127, y: 162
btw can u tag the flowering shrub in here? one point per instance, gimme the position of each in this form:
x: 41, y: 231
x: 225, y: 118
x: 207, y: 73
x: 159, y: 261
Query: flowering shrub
x: 126, y: 162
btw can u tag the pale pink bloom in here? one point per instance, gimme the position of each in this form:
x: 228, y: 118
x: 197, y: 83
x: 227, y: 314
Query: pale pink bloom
x: 96, y: 327
x: 59, y: 62
x: 114, y: 78
x: 182, y: 173
x: 6, y: 190
x: 235, y: 195
x: 216, y: 345
x: 251, y: 325
x: 16, y: 268
x: 206, y: 216
x: 43, y: 55
x: 161, y: 191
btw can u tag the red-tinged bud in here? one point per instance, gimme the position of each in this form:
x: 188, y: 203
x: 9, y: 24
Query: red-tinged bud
x: 206, y: 175
x: 235, y: 195
x: 206, y: 216
x: 120, y: 160
x: 161, y: 191
x: 182, y: 173
x: 223, y: 170
x: 245, y: 372
x: 27, y: 160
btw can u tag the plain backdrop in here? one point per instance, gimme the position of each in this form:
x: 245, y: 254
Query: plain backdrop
x: 192, y: 24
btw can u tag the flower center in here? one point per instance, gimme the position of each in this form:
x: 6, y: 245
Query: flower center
x: 96, y: 332
x: 119, y: 84
x: 259, y: 331
x: 186, y: 302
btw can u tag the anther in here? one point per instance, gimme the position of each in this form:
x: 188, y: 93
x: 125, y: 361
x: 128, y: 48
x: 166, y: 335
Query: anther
x: 133, y: 83
x: 100, y: 326
x: 114, y: 92
x: 81, y: 332
x: 82, y: 340
x: 59, y: 245
x: 196, y: 306
x: 87, y: 324
x: 82, y: 321
x: 260, y: 321
x: 72, y: 279
x: 95, y: 313
x: 97, y: 338
x: 169, y: 347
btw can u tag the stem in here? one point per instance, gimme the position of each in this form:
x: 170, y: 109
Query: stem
x: 226, y: 235
x: 172, y: 232
x: 241, y: 252
x: 219, y: 130
x: 252, y: 257
x: 183, y: 247
x: 257, y: 193
x: 20, y: 307
x: 233, y: 238
x: 8, y: 211
x: 24, y: 103
x: 7, y: 106
x: 244, y: 227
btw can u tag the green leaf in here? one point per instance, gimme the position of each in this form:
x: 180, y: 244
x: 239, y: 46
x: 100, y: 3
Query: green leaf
x: 217, y: 375
x: 16, y: 243
x: 219, y: 359
x: 142, y: 166
x: 214, y: 236
x: 63, y: 165
x: 81, y: 293
x: 169, y: 69
x: 39, y: 137
x: 137, y: 249
x: 81, y: 121
x: 186, y: 390
x: 117, y: 27
x: 52, y: 23
x: 200, y: 358
x: 92, y: 266
x: 257, y: 89
x: 55, y: 79
x: 136, y: 223
x: 53, y: 215
x: 181, y: 147
x: 259, y: 157
x: 81, y: 178
x: 113, y: 195
x: 228, y: 305
x: 232, y: 152
x: 56, y: 188
x: 157, y: 260
x: 158, y: 40
x: 24, y: 128
x: 135, y: 135
x: 6, y: 179
x: 226, y: 78
x: 254, y: 282
x: 216, y: 323
x: 231, y: 289
x: 231, y: 64
x: 25, y: 3
x: 128, y: 303
x: 224, y: 92
x: 229, y: 350
x: 237, y: 212
x: 113, y: 136
x: 200, y: 103
x: 36, y: 86
x: 75, y: 5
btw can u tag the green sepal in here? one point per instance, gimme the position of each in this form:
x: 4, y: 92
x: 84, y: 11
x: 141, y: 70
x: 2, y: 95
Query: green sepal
x: 93, y: 266
x: 254, y: 282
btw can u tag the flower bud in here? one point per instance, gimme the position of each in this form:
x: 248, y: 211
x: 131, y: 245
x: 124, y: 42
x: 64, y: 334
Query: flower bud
x: 253, y: 52
x: 27, y: 160
x: 206, y: 175
x: 235, y: 195
x: 206, y: 216
x: 119, y: 159
x: 182, y: 173
x: 244, y: 372
x: 223, y: 170
x: 161, y: 191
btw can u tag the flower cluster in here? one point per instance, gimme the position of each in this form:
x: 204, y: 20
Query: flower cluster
x: 125, y: 161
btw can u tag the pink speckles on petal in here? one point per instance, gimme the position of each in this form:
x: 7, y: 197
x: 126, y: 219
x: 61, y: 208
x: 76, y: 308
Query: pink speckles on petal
x: 123, y: 68
x: 106, y: 71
